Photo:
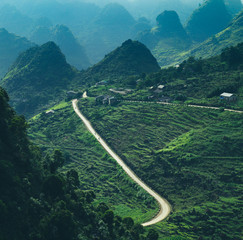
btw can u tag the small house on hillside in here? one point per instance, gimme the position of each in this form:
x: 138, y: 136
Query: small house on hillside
x: 165, y: 99
x: 228, y: 97
x: 106, y: 100
x: 50, y: 112
x: 159, y: 89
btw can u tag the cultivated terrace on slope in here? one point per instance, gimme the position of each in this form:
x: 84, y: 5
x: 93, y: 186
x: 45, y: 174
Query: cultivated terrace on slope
x: 192, y: 157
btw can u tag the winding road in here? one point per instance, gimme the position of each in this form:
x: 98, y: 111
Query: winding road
x: 165, y: 208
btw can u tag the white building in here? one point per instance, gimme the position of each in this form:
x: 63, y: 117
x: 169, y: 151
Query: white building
x: 228, y: 96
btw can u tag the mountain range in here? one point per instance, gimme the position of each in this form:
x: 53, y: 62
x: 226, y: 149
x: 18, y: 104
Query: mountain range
x: 40, y: 74
x: 209, y: 41
x: 43, y: 76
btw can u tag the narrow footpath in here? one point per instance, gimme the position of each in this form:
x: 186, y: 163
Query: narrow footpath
x: 164, y: 205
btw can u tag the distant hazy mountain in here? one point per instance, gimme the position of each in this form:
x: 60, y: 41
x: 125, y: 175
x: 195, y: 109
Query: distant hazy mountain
x: 10, y: 47
x: 74, y: 14
x: 109, y: 29
x: 210, y: 18
x: 14, y: 21
x: 168, y: 27
x: 167, y: 38
x: 63, y: 37
x: 142, y: 24
x: 131, y: 58
x: 39, y: 75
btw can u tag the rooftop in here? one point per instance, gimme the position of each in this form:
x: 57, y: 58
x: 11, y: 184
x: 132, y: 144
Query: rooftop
x: 226, y: 94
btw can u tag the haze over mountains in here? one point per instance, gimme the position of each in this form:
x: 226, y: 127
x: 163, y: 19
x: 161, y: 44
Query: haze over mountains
x: 90, y: 31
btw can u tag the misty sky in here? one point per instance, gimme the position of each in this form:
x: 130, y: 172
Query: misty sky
x: 138, y: 8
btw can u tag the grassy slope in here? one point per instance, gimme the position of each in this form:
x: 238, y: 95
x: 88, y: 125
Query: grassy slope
x: 65, y: 131
x: 193, y: 157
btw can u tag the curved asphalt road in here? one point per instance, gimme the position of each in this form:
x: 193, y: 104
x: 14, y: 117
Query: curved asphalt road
x: 164, y: 205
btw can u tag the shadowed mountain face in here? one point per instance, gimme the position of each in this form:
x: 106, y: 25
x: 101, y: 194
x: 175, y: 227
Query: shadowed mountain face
x: 10, y: 46
x: 64, y: 38
x: 38, y: 75
x: 210, y: 18
x: 234, y: 6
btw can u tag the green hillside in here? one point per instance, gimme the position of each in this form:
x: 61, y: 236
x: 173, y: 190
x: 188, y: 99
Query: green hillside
x: 192, y: 157
x: 10, y: 46
x: 97, y: 170
x: 39, y: 76
x: 131, y: 58
x: 202, y: 81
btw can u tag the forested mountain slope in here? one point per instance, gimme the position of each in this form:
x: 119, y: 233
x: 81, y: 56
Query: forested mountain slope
x: 38, y: 76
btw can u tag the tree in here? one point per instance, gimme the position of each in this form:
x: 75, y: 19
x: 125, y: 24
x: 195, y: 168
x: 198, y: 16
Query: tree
x: 59, y: 226
x: 108, y: 217
x: 53, y: 186
x: 72, y: 180
x: 128, y: 222
x: 58, y: 161
x: 152, y: 235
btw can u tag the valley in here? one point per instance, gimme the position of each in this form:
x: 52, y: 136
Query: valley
x: 121, y: 120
